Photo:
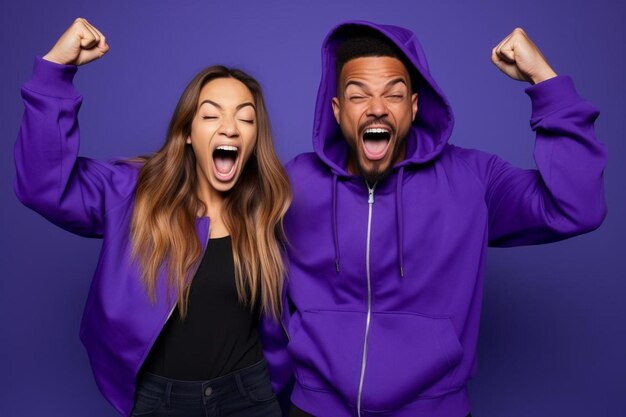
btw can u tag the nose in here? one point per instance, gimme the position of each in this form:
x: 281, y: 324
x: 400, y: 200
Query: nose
x: 228, y: 127
x: 377, y: 107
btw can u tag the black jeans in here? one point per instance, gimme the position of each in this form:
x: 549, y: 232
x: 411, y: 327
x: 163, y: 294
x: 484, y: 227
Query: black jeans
x: 296, y: 412
x: 244, y: 393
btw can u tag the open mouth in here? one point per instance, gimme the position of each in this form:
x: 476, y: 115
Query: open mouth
x: 375, y: 142
x: 225, y: 162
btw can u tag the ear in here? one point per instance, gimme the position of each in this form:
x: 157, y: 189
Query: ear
x: 414, y: 105
x: 336, y: 109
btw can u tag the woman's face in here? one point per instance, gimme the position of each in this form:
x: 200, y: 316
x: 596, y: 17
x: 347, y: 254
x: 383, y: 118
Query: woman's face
x: 223, y: 133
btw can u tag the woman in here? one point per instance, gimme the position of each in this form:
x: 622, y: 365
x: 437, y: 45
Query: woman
x: 170, y: 321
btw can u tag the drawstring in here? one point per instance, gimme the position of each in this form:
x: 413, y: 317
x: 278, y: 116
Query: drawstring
x: 399, y: 222
x: 335, y: 236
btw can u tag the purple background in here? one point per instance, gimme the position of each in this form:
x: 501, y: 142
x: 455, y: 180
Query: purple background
x: 553, y: 336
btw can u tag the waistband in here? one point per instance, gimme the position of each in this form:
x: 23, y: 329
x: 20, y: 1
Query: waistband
x: 194, y: 389
x: 328, y: 403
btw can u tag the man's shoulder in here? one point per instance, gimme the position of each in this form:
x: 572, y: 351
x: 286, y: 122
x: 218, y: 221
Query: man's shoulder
x: 456, y: 150
x: 468, y: 155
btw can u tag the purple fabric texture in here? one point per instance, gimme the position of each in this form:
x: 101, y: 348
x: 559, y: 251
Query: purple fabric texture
x: 553, y: 316
x: 93, y: 199
x: 412, y: 352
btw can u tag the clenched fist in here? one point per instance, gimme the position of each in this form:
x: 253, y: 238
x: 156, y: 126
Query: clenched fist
x: 80, y: 44
x: 519, y: 58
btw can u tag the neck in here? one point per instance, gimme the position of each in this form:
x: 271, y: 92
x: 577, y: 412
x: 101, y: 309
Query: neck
x: 213, y: 201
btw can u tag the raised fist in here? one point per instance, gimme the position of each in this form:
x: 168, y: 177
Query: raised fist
x: 80, y: 44
x: 519, y: 58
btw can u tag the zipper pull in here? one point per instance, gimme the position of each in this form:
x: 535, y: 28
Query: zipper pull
x: 370, y: 197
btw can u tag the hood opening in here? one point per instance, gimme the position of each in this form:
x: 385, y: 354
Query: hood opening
x: 432, y: 126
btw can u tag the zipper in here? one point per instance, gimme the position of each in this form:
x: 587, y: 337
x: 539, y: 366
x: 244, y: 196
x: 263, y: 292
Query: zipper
x: 370, y: 203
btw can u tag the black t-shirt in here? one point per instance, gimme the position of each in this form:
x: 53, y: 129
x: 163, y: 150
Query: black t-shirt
x: 219, y: 334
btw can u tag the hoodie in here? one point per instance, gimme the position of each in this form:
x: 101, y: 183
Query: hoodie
x: 385, y: 284
x: 93, y: 199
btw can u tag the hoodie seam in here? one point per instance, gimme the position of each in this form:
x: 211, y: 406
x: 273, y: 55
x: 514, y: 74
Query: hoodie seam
x: 77, y: 97
x: 472, y: 170
x: 540, y: 116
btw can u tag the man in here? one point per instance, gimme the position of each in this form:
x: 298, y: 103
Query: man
x: 389, y: 225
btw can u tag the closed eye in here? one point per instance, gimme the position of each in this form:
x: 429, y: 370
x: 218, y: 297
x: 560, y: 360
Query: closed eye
x: 249, y: 121
x: 209, y: 117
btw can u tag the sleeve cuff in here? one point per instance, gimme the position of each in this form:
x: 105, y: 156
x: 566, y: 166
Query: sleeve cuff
x: 52, y: 79
x: 551, y: 95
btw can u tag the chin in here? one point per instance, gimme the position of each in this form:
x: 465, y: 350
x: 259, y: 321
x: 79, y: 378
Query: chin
x: 375, y: 173
x: 224, y: 187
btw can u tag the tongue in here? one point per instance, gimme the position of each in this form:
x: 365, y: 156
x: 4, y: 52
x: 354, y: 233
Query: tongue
x: 375, y: 146
x: 223, y: 164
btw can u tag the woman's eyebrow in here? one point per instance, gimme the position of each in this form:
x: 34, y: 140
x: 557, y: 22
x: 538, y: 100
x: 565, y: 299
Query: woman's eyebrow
x: 247, y: 103
x: 239, y: 107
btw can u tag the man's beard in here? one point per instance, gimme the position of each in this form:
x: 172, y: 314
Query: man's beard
x: 374, y: 175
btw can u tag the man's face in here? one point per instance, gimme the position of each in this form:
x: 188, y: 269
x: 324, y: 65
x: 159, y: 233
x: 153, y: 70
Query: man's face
x: 374, y: 108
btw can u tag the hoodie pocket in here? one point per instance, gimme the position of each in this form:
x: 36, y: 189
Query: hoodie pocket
x: 409, y: 356
x: 326, y: 347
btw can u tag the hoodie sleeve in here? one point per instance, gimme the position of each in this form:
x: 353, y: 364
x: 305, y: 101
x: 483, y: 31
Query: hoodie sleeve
x: 565, y: 195
x: 274, y: 341
x: 72, y: 192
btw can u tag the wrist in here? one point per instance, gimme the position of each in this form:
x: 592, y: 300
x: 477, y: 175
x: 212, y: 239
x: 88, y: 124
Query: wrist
x: 52, y: 58
x: 543, y: 76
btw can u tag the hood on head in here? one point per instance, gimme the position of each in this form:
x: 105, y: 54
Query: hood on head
x: 432, y: 125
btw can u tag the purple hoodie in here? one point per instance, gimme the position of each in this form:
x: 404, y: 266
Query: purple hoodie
x: 386, y: 284
x: 95, y: 199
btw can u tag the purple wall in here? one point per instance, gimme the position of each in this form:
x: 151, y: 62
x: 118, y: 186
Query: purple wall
x: 553, y: 337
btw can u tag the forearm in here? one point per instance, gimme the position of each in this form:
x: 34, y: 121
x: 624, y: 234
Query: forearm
x: 565, y: 196
x: 47, y: 143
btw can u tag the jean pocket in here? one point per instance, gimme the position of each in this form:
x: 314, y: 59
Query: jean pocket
x: 257, y: 387
x: 146, y: 403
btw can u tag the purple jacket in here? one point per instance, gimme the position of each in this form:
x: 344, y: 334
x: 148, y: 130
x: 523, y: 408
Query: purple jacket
x: 386, y: 286
x: 94, y: 199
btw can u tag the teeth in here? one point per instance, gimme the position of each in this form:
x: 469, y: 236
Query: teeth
x: 227, y: 148
x: 377, y: 130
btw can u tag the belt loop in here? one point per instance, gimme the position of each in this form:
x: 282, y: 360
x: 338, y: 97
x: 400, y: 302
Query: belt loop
x: 240, y: 386
x: 168, y: 393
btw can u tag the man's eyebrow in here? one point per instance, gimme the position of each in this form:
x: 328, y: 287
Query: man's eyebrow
x: 239, y: 107
x: 389, y: 84
x: 357, y: 83
x: 396, y: 81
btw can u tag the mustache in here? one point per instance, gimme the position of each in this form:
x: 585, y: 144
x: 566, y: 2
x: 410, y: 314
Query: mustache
x: 385, y: 122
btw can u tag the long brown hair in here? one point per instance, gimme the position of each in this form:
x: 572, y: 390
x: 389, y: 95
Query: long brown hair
x: 166, y: 206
